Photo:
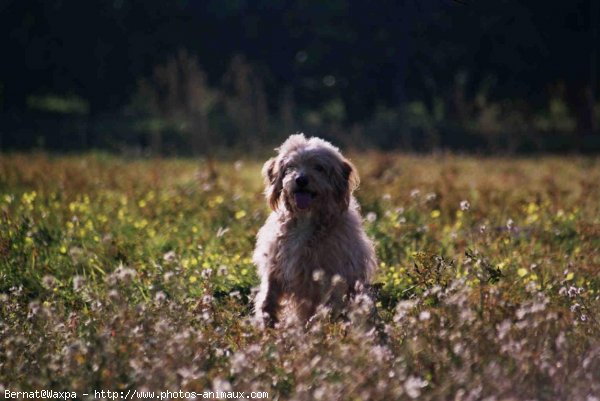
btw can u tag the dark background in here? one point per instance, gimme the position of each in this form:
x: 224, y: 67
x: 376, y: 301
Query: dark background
x: 197, y: 77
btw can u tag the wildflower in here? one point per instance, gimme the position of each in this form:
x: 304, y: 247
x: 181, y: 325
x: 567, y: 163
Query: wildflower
x: 34, y: 308
x: 522, y: 272
x: 317, y: 275
x: 169, y: 256
x: 160, y: 296
x: 465, y: 205
x: 503, y: 328
x: 430, y: 196
x: 238, y: 362
x: 435, y: 214
x: 414, y: 193
x: 337, y: 280
x: 413, y: 386
x: 403, y: 309
x: 371, y: 217
x: 510, y: 224
x: 122, y: 274
x: 424, y: 315
x: 48, y: 281
x: 572, y: 292
x: 221, y: 385
x: 78, y: 282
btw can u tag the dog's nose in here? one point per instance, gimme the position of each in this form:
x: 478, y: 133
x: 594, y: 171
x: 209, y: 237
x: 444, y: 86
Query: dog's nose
x: 302, y: 181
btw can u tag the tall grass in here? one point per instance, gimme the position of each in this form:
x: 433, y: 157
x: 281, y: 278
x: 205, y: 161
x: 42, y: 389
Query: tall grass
x: 135, y: 274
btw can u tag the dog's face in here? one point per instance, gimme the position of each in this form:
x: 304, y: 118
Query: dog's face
x: 309, y: 175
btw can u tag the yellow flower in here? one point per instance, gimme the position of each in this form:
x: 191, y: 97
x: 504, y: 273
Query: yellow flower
x: 522, y: 272
x: 217, y: 200
x: 532, y: 208
x: 435, y: 214
x: 240, y: 214
x: 570, y: 276
x: 193, y: 279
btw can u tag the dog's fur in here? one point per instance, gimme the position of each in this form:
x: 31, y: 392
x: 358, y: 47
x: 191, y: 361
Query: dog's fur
x: 310, y: 252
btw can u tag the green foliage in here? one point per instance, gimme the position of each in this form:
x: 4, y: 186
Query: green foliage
x: 59, y: 104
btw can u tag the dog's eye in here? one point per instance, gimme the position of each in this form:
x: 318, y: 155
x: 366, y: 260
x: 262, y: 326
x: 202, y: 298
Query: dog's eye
x: 319, y: 168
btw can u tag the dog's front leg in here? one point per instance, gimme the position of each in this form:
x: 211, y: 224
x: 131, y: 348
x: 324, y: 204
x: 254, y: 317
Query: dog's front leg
x: 268, y: 301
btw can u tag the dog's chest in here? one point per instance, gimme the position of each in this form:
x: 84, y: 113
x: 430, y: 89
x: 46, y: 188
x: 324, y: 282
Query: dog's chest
x: 299, y: 252
x: 301, y: 234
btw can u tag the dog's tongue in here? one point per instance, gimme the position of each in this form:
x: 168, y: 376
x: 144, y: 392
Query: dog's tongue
x: 303, y: 199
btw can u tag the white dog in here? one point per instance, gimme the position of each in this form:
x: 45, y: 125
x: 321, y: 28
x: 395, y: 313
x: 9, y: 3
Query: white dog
x: 312, y: 249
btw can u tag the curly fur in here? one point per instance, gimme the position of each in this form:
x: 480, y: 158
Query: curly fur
x: 311, y: 255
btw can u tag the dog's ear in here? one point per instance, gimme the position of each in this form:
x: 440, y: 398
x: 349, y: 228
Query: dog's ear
x: 345, y: 181
x: 351, y: 175
x: 273, y: 185
x: 268, y: 171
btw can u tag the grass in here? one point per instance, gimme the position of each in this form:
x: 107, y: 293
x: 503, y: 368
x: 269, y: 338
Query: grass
x: 123, y: 274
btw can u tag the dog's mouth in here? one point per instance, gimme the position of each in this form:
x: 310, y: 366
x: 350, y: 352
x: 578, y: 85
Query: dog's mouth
x: 303, y: 198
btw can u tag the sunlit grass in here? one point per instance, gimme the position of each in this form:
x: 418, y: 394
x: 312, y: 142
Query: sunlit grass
x: 119, y: 273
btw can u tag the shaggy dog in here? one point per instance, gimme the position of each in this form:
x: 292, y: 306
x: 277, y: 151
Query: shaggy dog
x: 312, y: 249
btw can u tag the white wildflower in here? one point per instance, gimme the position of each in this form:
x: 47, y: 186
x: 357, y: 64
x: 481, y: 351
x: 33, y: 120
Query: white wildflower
x: 413, y: 386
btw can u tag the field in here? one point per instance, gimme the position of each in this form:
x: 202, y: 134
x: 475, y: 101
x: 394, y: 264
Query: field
x: 127, y: 275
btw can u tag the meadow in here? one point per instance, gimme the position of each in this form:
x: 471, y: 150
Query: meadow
x: 120, y: 274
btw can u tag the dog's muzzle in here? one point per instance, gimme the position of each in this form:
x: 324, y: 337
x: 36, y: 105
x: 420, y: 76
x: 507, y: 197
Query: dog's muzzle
x: 303, y: 198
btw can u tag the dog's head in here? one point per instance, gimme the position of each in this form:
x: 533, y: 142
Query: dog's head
x: 309, y: 175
